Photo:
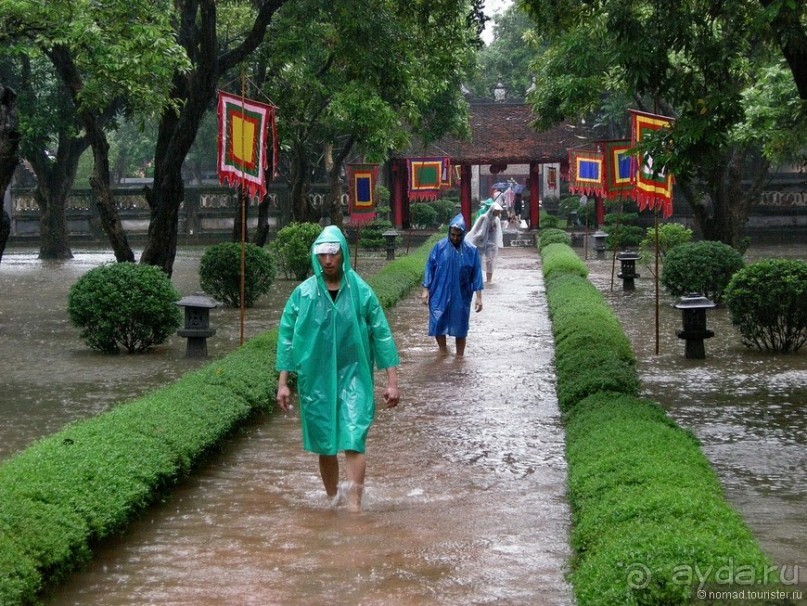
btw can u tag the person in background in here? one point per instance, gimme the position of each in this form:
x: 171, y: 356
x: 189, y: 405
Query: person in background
x: 486, y: 235
x: 332, y: 332
x: 452, y: 277
x: 518, y: 207
x: 484, y: 206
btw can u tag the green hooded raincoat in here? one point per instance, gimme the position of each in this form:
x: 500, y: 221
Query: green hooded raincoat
x: 333, y: 346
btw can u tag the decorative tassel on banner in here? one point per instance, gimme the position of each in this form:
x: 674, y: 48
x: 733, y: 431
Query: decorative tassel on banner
x: 652, y: 185
x: 426, y: 176
x: 586, y: 172
x: 361, y: 179
x: 243, y: 133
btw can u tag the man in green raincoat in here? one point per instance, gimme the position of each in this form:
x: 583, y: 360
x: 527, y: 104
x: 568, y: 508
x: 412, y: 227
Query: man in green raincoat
x: 332, y: 332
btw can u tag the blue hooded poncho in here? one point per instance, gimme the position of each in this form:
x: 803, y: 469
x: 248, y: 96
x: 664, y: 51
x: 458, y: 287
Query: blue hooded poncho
x: 452, y: 275
x: 333, y: 346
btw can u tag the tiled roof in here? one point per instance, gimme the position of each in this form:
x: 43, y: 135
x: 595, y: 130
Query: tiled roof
x: 501, y: 133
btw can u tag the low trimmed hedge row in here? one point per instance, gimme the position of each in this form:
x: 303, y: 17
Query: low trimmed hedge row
x: 650, y: 524
x: 68, y: 491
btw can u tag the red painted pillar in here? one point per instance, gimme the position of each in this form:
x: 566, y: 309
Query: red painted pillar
x: 465, y: 193
x: 599, y: 210
x: 398, y: 193
x: 535, y: 186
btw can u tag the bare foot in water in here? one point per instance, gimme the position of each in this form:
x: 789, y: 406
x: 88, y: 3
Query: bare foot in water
x: 354, y: 494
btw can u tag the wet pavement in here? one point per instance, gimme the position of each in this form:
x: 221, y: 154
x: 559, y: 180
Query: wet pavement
x: 465, y: 492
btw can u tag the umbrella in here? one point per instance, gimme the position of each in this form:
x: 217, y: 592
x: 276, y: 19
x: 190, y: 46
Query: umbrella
x: 518, y: 188
x: 502, y: 185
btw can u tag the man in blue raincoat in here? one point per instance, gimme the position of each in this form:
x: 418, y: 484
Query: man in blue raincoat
x: 332, y: 332
x: 453, y: 275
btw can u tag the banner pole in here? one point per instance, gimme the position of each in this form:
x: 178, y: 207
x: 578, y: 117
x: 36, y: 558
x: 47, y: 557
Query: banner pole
x: 243, y: 196
x: 655, y: 214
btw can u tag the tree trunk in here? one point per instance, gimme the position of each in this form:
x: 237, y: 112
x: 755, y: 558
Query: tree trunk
x: 93, y: 124
x: 53, y: 242
x: 262, y: 231
x: 5, y: 231
x: 55, y: 179
x: 334, y: 167
x: 240, y: 217
x: 721, y: 212
x: 194, y: 91
x: 298, y: 190
x: 161, y: 245
x: 787, y: 25
x: 104, y: 200
x: 9, y: 155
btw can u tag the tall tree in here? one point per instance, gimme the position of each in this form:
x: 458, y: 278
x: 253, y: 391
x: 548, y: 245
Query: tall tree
x: 692, y: 60
x: 52, y: 143
x: 213, y: 54
x: 110, y: 57
x: 9, y: 156
x: 788, y: 28
x: 346, y: 86
x: 507, y: 58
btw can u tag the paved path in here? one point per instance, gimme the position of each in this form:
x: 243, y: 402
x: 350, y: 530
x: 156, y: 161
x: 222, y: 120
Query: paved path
x: 465, y: 500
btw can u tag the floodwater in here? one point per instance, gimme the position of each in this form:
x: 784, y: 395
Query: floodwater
x: 746, y: 407
x: 465, y: 491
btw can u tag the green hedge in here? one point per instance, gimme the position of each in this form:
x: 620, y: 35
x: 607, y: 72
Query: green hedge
x: 649, y: 519
x: 67, y: 491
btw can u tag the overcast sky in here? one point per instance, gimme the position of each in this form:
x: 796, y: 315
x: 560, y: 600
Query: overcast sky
x: 493, y: 8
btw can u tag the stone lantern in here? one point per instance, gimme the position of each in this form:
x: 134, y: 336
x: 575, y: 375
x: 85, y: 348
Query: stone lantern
x: 197, y: 323
x: 389, y: 239
x: 693, y: 314
x: 599, y: 243
x: 627, y: 261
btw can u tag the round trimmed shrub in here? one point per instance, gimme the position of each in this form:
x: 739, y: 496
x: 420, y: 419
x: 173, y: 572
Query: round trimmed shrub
x: 621, y: 236
x: 423, y: 215
x: 670, y: 235
x: 700, y: 267
x: 553, y: 235
x: 548, y: 221
x: 446, y: 210
x: 124, y: 305
x: 768, y: 304
x: 292, y: 247
x: 220, y: 273
x: 370, y: 234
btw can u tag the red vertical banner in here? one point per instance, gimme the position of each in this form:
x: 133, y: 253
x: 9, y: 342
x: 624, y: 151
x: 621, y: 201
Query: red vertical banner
x: 619, y: 167
x: 242, y: 138
x: 652, y: 183
x: 425, y: 177
x: 586, y: 172
x: 362, y: 179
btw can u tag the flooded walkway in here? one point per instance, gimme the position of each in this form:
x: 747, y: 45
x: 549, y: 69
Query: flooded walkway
x: 465, y: 493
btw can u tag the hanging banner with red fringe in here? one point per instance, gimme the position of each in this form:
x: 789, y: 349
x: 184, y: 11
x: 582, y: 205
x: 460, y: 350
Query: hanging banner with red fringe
x: 586, y: 172
x: 619, y: 166
x: 361, y: 179
x: 243, y: 133
x: 652, y: 184
x: 425, y: 177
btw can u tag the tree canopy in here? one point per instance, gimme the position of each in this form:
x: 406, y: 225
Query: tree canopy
x: 699, y: 62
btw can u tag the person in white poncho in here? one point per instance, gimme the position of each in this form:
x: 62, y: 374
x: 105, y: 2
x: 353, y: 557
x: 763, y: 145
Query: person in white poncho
x: 486, y: 235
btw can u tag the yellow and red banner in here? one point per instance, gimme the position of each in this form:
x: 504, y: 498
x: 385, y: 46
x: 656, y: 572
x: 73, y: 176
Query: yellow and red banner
x: 652, y: 183
x: 586, y: 172
x: 426, y: 175
x: 361, y: 180
x: 242, y: 140
x: 619, y: 167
